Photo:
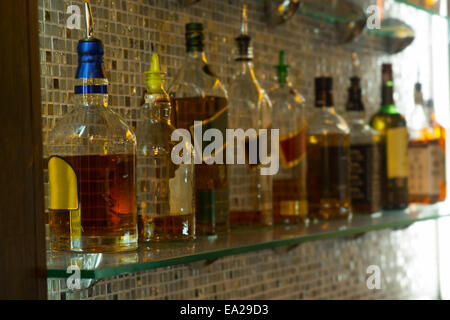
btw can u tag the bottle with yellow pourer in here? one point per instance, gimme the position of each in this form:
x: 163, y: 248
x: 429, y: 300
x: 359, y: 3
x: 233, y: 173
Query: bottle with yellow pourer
x: 165, y: 192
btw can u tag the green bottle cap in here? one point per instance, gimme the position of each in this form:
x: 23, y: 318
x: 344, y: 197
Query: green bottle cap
x: 282, y: 69
x: 155, y: 77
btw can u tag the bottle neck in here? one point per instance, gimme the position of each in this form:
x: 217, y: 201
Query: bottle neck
x: 197, y: 55
x: 387, y: 97
x: 158, y: 108
x: 356, y: 117
x: 91, y: 92
x: 246, y: 66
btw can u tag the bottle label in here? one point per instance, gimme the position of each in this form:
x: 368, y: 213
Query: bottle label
x: 63, y: 193
x: 293, y: 148
x: 423, y: 179
x: 397, y: 153
x: 63, y: 185
x: 437, y: 166
x: 365, y: 175
x: 218, y: 121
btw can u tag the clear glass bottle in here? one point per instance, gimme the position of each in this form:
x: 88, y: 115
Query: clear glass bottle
x: 364, y: 154
x: 290, y: 203
x: 423, y: 179
x: 166, y: 191
x: 198, y: 95
x: 250, y: 108
x: 440, y: 134
x: 328, y: 152
x: 394, y: 146
x: 91, y: 156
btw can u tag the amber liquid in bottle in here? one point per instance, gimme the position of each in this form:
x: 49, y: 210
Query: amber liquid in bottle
x: 211, y: 182
x: 107, y: 203
x: 286, y: 195
x: 329, y: 176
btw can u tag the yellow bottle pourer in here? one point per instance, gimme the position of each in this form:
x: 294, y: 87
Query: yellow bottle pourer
x: 155, y: 77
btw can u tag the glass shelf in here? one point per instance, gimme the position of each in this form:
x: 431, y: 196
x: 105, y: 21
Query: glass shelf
x: 98, y: 266
x: 416, y: 4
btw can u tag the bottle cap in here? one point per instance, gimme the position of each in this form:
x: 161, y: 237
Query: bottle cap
x: 90, y: 57
x: 245, y: 50
x: 323, y: 88
x: 155, y: 77
x: 282, y: 69
x: 354, y: 102
x: 194, y: 37
x: 418, y: 87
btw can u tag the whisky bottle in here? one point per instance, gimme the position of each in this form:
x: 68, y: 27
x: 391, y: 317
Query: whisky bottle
x: 290, y: 203
x: 198, y: 96
x: 364, y: 155
x: 91, y: 156
x: 394, y: 146
x: 328, y: 152
x: 250, y: 109
x: 423, y: 179
x: 165, y: 191
x: 440, y: 134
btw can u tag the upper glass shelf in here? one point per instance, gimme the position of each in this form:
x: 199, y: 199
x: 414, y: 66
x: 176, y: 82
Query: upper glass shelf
x: 350, y: 12
x: 432, y: 7
x: 98, y: 266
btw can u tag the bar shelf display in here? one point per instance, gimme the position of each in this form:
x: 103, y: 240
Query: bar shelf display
x: 96, y: 266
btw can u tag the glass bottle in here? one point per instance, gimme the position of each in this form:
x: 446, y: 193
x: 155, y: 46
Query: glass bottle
x: 423, y: 179
x: 328, y: 152
x: 440, y: 133
x: 165, y: 195
x: 91, y: 156
x: 364, y: 154
x: 290, y: 203
x: 394, y: 146
x: 198, y: 95
x: 250, y: 109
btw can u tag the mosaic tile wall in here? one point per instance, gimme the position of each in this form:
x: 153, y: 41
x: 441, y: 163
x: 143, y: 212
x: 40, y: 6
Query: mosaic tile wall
x: 328, y: 269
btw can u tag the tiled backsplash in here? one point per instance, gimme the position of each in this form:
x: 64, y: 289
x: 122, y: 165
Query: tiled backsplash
x: 328, y: 269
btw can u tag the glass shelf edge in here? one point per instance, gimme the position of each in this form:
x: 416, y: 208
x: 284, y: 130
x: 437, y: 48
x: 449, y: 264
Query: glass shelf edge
x: 241, y: 249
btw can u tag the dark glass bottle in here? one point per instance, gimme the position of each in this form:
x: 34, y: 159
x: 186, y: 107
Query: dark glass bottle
x: 365, y: 155
x: 198, y: 95
x: 328, y: 153
x: 394, y: 146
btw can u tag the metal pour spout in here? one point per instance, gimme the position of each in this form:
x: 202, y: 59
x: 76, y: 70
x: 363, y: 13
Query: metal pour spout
x: 244, y: 20
x: 89, y: 19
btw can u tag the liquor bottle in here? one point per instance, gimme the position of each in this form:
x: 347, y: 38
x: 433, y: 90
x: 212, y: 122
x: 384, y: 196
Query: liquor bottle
x: 250, y: 109
x: 166, y: 198
x: 423, y: 179
x: 91, y: 165
x: 290, y: 203
x: 394, y: 146
x: 440, y: 134
x: 364, y: 154
x: 328, y: 152
x: 198, y: 96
